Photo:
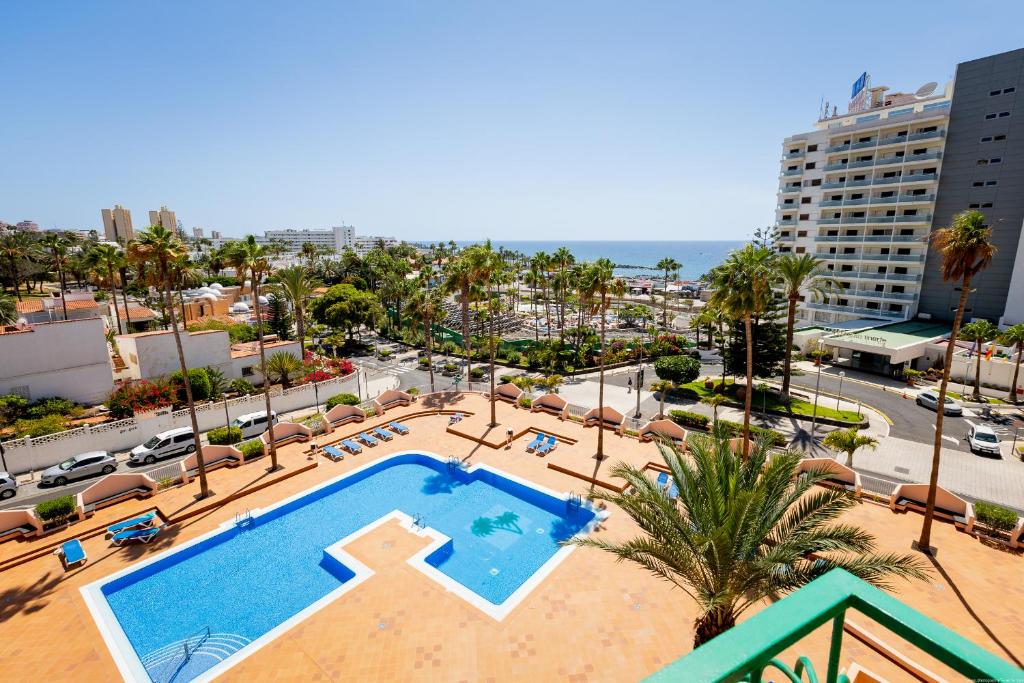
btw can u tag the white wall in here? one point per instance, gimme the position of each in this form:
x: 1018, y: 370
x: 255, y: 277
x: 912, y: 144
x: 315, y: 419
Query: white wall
x: 149, y: 355
x: 240, y: 363
x: 67, y: 359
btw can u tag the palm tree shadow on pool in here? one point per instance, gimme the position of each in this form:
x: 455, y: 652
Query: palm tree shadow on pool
x: 442, y: 482
x: 506, y: 521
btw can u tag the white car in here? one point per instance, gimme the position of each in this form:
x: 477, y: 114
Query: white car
x: 930, y: 399
x: 983, y: 440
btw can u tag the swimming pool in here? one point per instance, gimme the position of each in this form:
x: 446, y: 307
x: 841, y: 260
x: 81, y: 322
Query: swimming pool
x: 197, y: 609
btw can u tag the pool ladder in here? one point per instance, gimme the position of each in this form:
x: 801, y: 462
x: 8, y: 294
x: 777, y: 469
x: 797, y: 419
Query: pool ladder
x: 418, y: 522
x: 454, y: 463
x: 575, y: 502
x: 243, y: 519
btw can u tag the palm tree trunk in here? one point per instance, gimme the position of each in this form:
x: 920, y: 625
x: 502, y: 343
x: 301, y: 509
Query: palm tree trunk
x: 181, y: 300
x: 715, y: 622
x: 14, y: 277
x: 300, y: 327
x: 547, y: 308
x: 787, y: 363
x: 204, y: 487
x: 749, y: 393
x: 113, y: 298
x: 664, y: 303
x: 429, y: 338
x: 263, y: 364
x: 977, y: 374
x: 924, y: 543
x: 1016, y: 372
x: 465, y: 337
x: 63, y: 289
x: 490, y: 343
x: 124, y: 296
x: 600, y: 391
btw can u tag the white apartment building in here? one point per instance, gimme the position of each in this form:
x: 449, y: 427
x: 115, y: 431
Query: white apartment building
x: 365, y: 243
x: 336, y: 239
x: 859, y: 192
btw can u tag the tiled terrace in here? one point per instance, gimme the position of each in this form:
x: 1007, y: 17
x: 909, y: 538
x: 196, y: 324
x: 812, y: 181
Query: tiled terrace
x: 591, y: 620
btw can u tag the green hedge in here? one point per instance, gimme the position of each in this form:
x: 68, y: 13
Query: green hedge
x: 341, y: 399
x: 224, y: 436
x: 735, y: 429
x: 995, y: 517
x: 251, y: 449
x: 688, y: 419
x: 57, y: 509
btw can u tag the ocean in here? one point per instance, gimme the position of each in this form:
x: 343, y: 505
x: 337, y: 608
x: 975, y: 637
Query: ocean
x: 633, y: 257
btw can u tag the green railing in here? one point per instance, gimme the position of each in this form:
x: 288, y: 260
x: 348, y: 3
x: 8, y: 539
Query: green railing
x: 749, y: 650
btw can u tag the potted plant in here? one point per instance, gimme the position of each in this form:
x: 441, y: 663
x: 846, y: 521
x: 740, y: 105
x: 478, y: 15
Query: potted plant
x: 911, y: 375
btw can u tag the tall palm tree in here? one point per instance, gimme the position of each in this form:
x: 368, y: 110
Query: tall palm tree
x: 186, y: 276
x: 57, y: 245
x: 490, y: 269
x: 671, y: 267
x: 600, y: 282
x: 543, y: 262
x: 534, y: 277
x: 849, y: 441
x: 8, y: 310
x: 966, y: 249
x: 740, y: 532
x: 562, y: 259
x: 425, y: 307
x: 459, y: 280
x: 979, y: 332
x: 15, y: 249
x: 297, y: 284
x: 1013, y: 336
x: 106, y: 260
x: 161, y: 247
x: 250, y: 257
x: 743, y: 289
x: 799, y: 272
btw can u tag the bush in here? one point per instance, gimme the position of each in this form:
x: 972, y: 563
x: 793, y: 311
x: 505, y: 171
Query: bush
x: 734, y: 429
x: 525, y: 401
x: 51, y: 424
x: 476, y: 373
x: 251, y: 449
x: 686, y: 418
x: 12, y: 406
x: 995, y: 517
x: 52, y: 406
x: 413, y: 391
x: 677, y: 369
x: 449, y: 367
x: 424, y: 362
x: 57, y: 510
x: 513, y: 357
x: 241, y: 386
x: 139, y: 397
x: 224, y: 436
x: 341, y: 399
x: 199, y: 381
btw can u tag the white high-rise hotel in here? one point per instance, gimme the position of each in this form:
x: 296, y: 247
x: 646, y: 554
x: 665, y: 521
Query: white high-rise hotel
x: 859, y: 192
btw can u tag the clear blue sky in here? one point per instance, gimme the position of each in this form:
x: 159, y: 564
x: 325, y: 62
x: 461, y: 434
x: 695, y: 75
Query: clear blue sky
x: 424, y: 120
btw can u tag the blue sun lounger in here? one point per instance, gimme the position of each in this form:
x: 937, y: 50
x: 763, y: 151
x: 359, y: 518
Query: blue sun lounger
x: 333, y: 453
x: 547, y: 446
x: 381, y: 434
x: 399, y: 427
x: 134, y: 523
x: 533, y: 445
x: 663, y: 481
x: 141, y: 535
x: 367, y: 439
x: 351, y: 446
x: 71, y: 553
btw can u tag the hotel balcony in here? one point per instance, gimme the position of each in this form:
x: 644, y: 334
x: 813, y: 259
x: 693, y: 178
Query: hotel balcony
x: 908, y: 258
x: 793, y: 172
x: 867, y: 275
x: 868, y: 238
x: 905, y: 179
x: 907, y: 159
x: 896, y: 199
x: 892, y: 140
x: 899, y: 296
x: 856, y: 310
x: 794, y: 155
x: 869, y: 220
x: 789, y: 189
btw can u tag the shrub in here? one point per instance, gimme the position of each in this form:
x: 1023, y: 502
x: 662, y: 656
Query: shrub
x: 995, y: 517
x: 52, y: 406
x: 677, y: 369
x: 251, y: 449
x: 341, y: 399
x: 224, y: 436
x: 199, y: 381
x: 413, y: 391
x: 513, y: 357
x: 384, y: 353
x: 139, y: 397
x: 12, y: 406
x: 50, y: 424
x: 424, y: 362
x: 525, y: 401
x: 449, y: 367
x: 476, y: 373
x: 734, y: 429
x: 57, y: 510
x: 241, y: 386
x: 318, y: 376
x: 686, y: 418
x: 166, y: 483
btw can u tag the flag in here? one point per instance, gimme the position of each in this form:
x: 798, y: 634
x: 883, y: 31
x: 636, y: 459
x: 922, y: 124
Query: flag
x: 988, y: 354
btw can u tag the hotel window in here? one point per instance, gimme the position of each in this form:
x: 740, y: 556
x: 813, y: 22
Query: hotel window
x: 995, y: 160
x: 801, y: 233
x: 903, y: 251
x: 879, y: 288
x: 898, y: 289
x: 799, y: 250
x: 816, y: 182
x: 896, y: 308
x: 986, y: 205
x: 910, y: 212
x: 991, y: 183
x: 805, y: 200
x: 846, y: 269
x: 907, y: 231
x: 872, y: 305
x: 987, y: 138
x: 809, y: 165
x: 900, y: 270
x: 844, y: 302
x: 982, y: 162
x: 812, y: 148
x: 805, y: 216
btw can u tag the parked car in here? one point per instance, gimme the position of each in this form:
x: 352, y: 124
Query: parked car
x: 930, y: 399
x: 79, y: 467
x: 982, y: 439
x: 253, y: 424
x: 164, y: 445
x: 8, y: 486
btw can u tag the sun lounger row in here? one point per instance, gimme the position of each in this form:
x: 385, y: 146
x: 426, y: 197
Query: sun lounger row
x: 367, y: 438
x: 540, y: 446
x: 137, y: 530
x: 663, y: 484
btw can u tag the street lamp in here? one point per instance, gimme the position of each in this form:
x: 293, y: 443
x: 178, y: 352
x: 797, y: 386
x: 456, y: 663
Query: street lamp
x: 817, y: 386
x: 227, y: 420
x: 842, y: 374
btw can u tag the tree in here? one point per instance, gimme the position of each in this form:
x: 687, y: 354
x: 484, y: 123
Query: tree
x: 799, y: 273
x: 297, y: 285
x: 57, y: 245
x: 346, y: 308
x: 279, y: 318
x: 424, y: 307
x: 714, y: 400
x: 966, y: 249
x: 562, y: 259
x: 459, y: 281
x: 8, y: 311
x: 106, y: 260
x: 218, y: 382
x: 848, y: 441
x: 677, y: 369
x: 743, y: 290
x: 979, y: 332
x: 489, y: 268
x: 598, y: 286
x: 160, y: 247
x: 671, y: 268
x: 1013, y: 337
x: 769, y: 343
x: 765, y: 532
x: 661, y: 388
x: 282, y: 366
x: 15, y: 250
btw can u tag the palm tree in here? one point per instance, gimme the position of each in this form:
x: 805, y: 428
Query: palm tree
x: 601, y: 282
x: 57, y: 246
x: 459, y: 280
x: 218, y: 382
x: 490, y: 269
x: 186, y: 276
x: 283, y: 366
x: 714, y: 400
x: 297, y: 285
x: 979, y: 332
x: 543, y: 262
x: 1013, y: 336
x: 8, y: 311
x: 250, y: 257
x: 848, y: 441
x: 743, y: 289
x: 534, y: 277
x: 966, y: 248
x: 671, y: 267
x: 424, y: 307
x: 740, y: 531
x: 161, y: 247
x: 799, y: 272
x: 562, y: 259
x: 14, y: 251
x: 106, y: 260
x: 662, y: 387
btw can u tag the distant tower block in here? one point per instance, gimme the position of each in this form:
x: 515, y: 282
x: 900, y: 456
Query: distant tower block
x: 117, y: 224
x: 165, y: 218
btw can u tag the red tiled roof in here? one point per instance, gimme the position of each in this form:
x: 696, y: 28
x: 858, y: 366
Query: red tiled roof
x: 29, y: 306
x: 75, y: 305
x: 138, y: 312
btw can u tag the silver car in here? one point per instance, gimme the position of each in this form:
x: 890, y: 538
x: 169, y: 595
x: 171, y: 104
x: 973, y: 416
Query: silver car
x: 930, y: 400
x: 78, y: 467
x: 8, y: 486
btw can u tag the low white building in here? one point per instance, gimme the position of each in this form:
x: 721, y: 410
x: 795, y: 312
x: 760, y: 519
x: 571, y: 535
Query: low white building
x: 68, y: 359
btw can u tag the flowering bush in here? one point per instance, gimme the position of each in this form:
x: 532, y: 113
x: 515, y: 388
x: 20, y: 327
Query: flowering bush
x: 307, y: 356
x: 318, y: 376
x: 139, y: 397
x: 340, y: 367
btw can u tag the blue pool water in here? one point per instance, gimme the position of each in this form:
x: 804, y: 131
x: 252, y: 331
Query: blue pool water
x: 244, y: 581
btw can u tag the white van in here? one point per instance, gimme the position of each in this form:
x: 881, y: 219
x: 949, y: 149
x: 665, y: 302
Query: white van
x: 253, y: 424
x: 164, y: 445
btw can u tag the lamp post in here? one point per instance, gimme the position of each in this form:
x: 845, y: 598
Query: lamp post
x: 817, y: 386
x: 227, y: 420
x: 842, y: 374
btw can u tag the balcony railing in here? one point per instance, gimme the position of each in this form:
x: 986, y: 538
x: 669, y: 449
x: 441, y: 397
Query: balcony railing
x: 793, y: 171
x: 909, y: 178
x: 901, y: 296
x: 786, y: 189
x: 794, y: 155
x: 872, y: 257
x: 866, y: 275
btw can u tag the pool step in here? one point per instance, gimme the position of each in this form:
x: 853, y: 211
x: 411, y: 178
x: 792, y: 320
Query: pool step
x: 169, y: 664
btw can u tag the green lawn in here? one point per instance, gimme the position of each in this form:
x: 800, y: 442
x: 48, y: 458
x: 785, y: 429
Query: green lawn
x: 771, y: 401
x: 958, y: 397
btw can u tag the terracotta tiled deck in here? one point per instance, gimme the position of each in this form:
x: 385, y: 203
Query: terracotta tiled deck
x: 591, y: 620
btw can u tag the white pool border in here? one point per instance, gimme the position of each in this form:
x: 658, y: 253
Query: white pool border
x: 130, y: 665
